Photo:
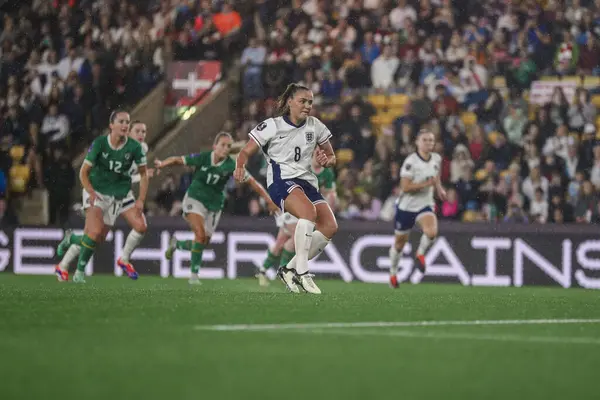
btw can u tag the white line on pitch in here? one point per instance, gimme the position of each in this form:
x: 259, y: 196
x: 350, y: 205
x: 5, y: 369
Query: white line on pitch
x: 333, y: 325
x: 455, y: 336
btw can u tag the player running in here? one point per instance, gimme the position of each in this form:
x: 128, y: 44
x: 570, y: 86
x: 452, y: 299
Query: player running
x: 288, y: 142
x: 419, y: 176
x: 106, y: 185
x: 283, y: 249
x: 205, y: 198
x: 137, y: 131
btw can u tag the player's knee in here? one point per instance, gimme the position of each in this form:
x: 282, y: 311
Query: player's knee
x: 431, y: 233
x: 330, y: 228
x: 400, y: 242
x: 310, y: 214
x: 141, y: 227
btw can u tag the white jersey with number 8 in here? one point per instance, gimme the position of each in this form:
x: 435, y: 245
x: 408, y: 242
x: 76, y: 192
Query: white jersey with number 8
x: 289, y: 148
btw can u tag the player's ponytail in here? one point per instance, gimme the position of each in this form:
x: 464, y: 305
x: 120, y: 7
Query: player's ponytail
x: 292, y: 88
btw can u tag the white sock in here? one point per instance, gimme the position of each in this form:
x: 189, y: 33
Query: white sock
x: 133, y: 240
x: 69, y: 257
x: 424, y: 244
x: 317, y: 245
x: 394, y: 259
x: 303, y: 238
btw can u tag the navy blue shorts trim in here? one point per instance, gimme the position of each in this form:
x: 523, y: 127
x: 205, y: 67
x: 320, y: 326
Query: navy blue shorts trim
x: 280, y: 190
x: 406, y: 220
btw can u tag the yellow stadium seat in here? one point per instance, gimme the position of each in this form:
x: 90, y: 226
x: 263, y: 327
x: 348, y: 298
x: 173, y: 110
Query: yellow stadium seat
x: 19, y: 178
x: 493, y: 136
x: 481, y: 174
x: 398, y: 100
x: 344, y: 156
x: 596, y: 100
x: 469, y: 216
x: 378, y: 100
x: 468, y: 118
x: 598, y: 122
x: 591, y: 81
x: 499, y: 82
x: 17, y: 153
x: 386, y: 119
x: 395, y: 112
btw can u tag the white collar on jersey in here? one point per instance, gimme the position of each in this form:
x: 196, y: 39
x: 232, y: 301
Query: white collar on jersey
x: 212, y: 160
x: 117, y: 148
x: 289, y: 122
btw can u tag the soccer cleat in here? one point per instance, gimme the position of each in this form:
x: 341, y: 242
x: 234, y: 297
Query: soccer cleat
x: 79, y: 277
x: 287, y: 277
x: 61, y: 275
x: 262, y: 279
x: 171, y: 249
x: 64, y: 244
x: 128, y: 269
x: 394, y: 282
x: 420, y: 262
x: 305, y: 281
x: 195, y: 280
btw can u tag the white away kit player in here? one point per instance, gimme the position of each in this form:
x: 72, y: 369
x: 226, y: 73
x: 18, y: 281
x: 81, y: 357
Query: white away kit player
x: 419, y: 176
x: 288, y: 142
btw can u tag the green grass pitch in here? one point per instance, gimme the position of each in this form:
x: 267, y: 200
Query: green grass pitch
x: 155, y: 339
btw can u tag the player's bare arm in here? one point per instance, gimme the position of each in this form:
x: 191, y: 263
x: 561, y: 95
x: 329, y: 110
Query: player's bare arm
x: 258, y: 188
x: 178, y: 160
x: 326, y: 155
x: 240, y: 164
x: 144, y: 181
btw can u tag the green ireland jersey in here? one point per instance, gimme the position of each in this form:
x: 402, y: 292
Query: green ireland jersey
x: 111, y: 165
x: 209, y: 180
x: 326, y: 179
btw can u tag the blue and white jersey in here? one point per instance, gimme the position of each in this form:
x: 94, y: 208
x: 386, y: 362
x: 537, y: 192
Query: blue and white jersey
x: 289, y: 148
x: 419, y: 170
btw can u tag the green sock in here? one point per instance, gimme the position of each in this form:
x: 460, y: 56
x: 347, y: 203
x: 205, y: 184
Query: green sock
x: 88, y: 246
x: 286, y: 257
x: 271, y: 260
x: 75, y: 239
x: 197, y: 249
x: 184, y: 245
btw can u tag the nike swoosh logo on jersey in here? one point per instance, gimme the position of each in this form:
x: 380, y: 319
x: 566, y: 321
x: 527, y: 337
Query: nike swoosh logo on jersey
x: 104, y: 155
x: 204, y: 168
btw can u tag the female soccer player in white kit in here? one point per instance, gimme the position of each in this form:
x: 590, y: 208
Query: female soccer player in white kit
x: 288, y: 142
x: 419, y: 176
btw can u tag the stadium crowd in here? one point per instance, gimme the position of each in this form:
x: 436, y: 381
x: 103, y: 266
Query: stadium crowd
x: 511, y: 161
x: 516, y: 162
x: 64, y: 66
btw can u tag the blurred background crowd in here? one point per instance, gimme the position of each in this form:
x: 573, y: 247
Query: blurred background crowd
x: 380, y: 71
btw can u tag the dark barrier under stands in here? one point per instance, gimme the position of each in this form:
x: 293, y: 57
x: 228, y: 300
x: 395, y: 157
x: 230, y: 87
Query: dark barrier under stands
x: 476, y: 254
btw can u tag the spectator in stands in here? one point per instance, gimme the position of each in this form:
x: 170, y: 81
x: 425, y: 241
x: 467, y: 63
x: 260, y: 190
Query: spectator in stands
x: 55, y: 126
x: 253, y: 59
x: 60, y: 180
x: 383, y: 69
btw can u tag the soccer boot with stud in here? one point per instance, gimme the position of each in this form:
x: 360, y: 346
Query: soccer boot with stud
x: 61, y: 275
x: 287, y: 277
x: 128, y: 269
x: 394, y: 282
x: 64, y: 244
x: 171, y: 249
x: 306, y: 282
x: 263, y: 280
x: 79, y: 277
